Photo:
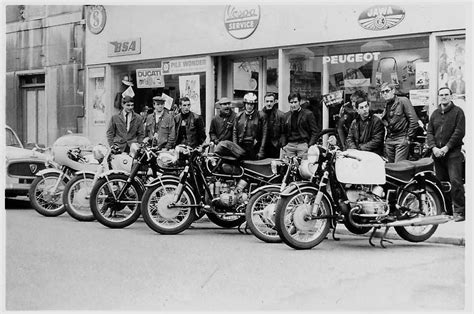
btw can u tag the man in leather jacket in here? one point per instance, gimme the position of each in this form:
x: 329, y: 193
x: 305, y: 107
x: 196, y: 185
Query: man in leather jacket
x: 347, y: 114
x: 250, y: 129
x: 275, y: 126
x: 401, y: 121
x: 366, y: 132
x: 222, y: 124
x: 189, y: 125
x: 160, y: 125
x: 446, y: 130
x: 301, y: 130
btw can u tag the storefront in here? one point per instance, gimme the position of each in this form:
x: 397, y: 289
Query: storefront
x: 206, y: 52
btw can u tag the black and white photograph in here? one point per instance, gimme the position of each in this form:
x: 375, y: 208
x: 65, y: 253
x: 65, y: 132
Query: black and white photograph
x: 267, y: 156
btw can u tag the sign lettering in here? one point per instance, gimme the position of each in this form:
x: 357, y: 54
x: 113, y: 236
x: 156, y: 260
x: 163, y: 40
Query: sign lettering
x: 124, y: 47
x: 351, y: 58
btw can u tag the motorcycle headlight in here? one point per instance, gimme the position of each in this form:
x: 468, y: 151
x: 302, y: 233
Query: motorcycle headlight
x: 307, y: 169
x: 99, y: 151
x: 134, y: 149
x: 166, y: 159
x: 313, y: 154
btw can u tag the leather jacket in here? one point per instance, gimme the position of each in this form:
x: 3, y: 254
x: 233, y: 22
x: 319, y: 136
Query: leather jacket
x: 400, y: 118
x: 257, y: 125
x: 221, y: 127
x: 366, y: 135
x: 195, y: 133
x: 275, y: 126
x: 307, y: 126
x: 165, y: 130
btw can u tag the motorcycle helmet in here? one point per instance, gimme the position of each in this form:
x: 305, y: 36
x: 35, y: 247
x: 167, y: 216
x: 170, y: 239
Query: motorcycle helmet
x: 250, y: 98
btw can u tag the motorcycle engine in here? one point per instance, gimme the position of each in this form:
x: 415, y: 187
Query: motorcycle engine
x: 228, y: 193
x: 368, y: 199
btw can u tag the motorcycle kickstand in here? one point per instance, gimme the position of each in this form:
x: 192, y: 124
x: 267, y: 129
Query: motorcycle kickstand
x: 244, y: 231
x: 334, y: 233
x: 382, y: 238
x: 372, y: 235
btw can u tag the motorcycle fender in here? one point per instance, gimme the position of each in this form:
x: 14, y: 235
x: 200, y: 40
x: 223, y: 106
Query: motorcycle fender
x: 168, y: 178
x: 265, y: 187
x: 110, y: 172
x: 294, y: 188
x: 48, y: 170
x: 84, y: 172
x: 432, y: 180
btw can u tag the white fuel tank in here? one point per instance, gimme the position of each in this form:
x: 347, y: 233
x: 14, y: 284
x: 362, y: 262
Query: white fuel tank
x: 370, y: 169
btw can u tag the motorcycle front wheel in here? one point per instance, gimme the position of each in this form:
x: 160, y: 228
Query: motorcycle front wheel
x: 162, y: 219
x: 110, y: 211
x: 260, y: 214
x: 434, y: 207
x: 44, y: 197
x: 76, y: 197
x: 294, y: 223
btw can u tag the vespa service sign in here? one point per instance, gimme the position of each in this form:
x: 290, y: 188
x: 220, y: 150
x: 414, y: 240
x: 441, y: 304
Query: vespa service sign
x: 241, y: 20
x: 95, y: 18
x: 380, y: 17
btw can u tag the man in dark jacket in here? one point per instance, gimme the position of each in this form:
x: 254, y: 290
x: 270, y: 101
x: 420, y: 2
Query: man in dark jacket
x: 125, y: 127
x: 223, y: 123
x: 189, y: 125
x: 250, y: 129
x: 301, y: 130
x: 366, y: 132
x: 160, y: 126
x: 401, y: 122
x: 347, y: 114
x: 275, y: 126
x: 446, y: 130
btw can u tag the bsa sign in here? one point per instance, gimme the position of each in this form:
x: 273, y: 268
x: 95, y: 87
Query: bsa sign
x: 381, y: 17
x: 241, y: 20
x: 96, y: 18
x: 124, y: 47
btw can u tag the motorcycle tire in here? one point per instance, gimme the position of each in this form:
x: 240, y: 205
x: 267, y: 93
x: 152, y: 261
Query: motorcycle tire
x: 102, y: 201
x: 44, y: 204
x: 419, y: 233
x: 166, y: 220
x: 291, y: 222
x: 76, y: 197
x: 226, y: 222
x: 260, y: 214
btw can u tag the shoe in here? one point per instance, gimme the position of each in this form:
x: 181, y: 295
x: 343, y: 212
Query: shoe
x: 458, y: 217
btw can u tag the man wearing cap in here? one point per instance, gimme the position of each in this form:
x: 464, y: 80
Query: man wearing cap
x: 250, y: 129
x: 275, y: 126
x: 160, y: 126
x: 126, y: 127
x: 223, y: 123
x: 189, y: 125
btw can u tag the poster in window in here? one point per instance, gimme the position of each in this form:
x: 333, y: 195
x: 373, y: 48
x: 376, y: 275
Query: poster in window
x: 451, y: 65
x: 422, y: 74
x: 420, y: 97
x: 189, y: 86
x: 98, y: 105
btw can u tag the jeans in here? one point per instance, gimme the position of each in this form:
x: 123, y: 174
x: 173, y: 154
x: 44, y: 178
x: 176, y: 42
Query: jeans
x: 296, y: 149
x: 396, y: 149
x: 449, y: 168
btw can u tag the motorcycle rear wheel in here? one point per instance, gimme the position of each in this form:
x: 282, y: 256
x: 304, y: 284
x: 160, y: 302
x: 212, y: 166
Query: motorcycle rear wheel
x: 104, y: 208
x: 260, y: 215
x: 46, y: 202
x: 226, y: 221
x: 76, y: 197
x: 419, y: 233
x: 292, y: 224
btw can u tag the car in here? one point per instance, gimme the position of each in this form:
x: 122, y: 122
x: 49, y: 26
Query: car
x: 22, y: 165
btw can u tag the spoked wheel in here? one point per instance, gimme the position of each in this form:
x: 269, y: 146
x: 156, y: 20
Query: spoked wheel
x: 225, y: 221
x: 433, y: 207
x: 260, y: 215
x: 111, y: 211
x: 46, y: 194
x: 295, y: 224
x: 76, y: 197
x: 161, y: 218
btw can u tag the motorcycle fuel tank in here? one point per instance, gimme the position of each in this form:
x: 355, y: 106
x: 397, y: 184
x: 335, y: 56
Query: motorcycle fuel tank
x: 368, y: 168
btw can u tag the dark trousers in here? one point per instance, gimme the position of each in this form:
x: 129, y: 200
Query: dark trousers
x: 396, y: 149
x: 449, y: 168
x: 271, y: 151
x: 251, y: 150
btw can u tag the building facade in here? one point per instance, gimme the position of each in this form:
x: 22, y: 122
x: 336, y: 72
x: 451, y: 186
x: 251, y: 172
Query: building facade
x: 324, y: 52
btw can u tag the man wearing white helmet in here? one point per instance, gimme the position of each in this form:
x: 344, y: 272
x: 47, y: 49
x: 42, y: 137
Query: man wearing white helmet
x: 250, y: 129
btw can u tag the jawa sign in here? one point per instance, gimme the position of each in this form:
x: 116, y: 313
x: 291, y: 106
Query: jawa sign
x: 381, y: 17
x: 241, y: 20
x: 124, y: 47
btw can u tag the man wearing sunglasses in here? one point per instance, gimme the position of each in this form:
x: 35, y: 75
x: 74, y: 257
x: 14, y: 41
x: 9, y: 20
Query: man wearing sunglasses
x: 445, y: 133
x: 125, y: 127
x: 401, y: 121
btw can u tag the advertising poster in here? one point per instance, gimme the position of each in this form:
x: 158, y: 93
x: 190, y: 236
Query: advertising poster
x: 98, y: 105
x: 451, y: 65
x: 422, y: 73
x: 168, y: 101
x: 334, y: 98
x: 128, y: 92
x: 150, y: 78
x: 189, y: 86
x: 420, y: 97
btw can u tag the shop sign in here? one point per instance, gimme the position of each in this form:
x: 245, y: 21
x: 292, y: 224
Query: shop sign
x: 149, y: 78
x: 184, y: 66
x: 351, y: 58
x: 381, y: 17
x: 124, y: 47
x: 96, y: 18
x: 241, y: 20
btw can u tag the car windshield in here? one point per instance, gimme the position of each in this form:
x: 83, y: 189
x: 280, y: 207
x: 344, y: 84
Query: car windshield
x: 12, y: 139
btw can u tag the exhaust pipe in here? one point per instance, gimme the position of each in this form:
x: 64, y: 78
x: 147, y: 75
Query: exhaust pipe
x: 421, y: 221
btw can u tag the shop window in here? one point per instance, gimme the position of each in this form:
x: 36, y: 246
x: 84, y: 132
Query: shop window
x: 245, y: 77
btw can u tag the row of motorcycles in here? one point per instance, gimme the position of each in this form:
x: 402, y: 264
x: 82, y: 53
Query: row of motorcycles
x: 291, y: 200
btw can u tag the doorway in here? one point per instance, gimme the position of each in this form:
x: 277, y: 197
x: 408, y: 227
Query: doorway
x: 34, y: 113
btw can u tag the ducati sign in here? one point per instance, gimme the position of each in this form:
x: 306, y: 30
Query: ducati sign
x: 241, y: 20
x: 381, y: 17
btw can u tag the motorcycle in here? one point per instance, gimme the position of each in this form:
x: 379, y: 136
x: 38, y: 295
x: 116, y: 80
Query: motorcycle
x: 365, y: 193
x: 116, y: 196
x: 77, y: 191
x: 213, y: 183
x: 260, y: 210
x: 68, y: 156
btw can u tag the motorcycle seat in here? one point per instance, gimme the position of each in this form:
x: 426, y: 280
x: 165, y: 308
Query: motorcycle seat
x: 260, y: 166
x: 406, y: 169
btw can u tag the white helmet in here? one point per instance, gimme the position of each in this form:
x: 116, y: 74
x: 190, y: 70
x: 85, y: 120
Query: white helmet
x: 250, y: 98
